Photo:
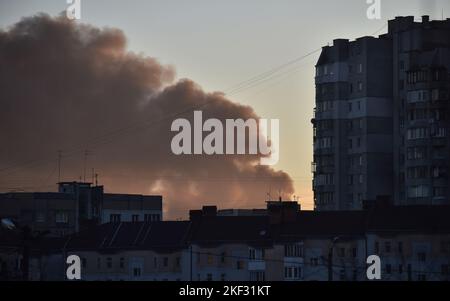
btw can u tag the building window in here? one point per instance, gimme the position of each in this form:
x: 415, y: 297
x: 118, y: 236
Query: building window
x: 417, y: 133
x: 421, y: 277
x: 40, y: 217
x: 387, y: 247
x: 109, y: 263
x: 388, y: 269
x: 178, y: 262
x: 445, y: 269
x: 400, y: 247
x: 293, y: 250
x: 122, y: 262
x: 137, y: 272
x: 257, y: 276
x: 114, y: 218
x: 422, y: 256
x: 400, y: 269
x: 165, y: 261
x: 360, y: 68
x: 360, y: 86
x: 314, y: 261
x: 239, y: 265
x: 210, y: 259
x: 342, y: 275
x: 341, y: 252
x: 419, y: 191
x: 377, y: 247
x: 355, y: 252
x: 256, y: 254
x: 292, y: 273
x: 62, y: 217
x: 223, y: 277
x: 135, y: 218
x: 83, y: 263
x: 222, y: 257
x: 209, y: 277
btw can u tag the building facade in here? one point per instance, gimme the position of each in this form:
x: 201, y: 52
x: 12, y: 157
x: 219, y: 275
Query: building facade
x: 413, y: 243
x: 77, y: 206
x: 380, y: 122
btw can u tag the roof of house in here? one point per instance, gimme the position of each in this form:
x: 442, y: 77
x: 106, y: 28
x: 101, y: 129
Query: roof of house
x: 213, y: 230
x: 323, y: 224
x: 423, y: 219
x: 158, y: 236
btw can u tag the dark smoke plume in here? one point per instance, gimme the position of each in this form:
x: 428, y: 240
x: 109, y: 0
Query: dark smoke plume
x: 71, y: 87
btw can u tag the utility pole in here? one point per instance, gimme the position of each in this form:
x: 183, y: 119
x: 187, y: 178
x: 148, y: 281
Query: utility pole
x: 330, y: 259
x: 330, y: 264
x: 191, y: 261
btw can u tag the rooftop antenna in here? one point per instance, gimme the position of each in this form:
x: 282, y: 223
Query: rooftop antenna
x: 93, y: 175
x: 86, y: 154
x: 59, y: 165
x: 96, y: 179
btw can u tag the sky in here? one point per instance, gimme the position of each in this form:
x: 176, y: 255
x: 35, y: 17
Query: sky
x: 220, y: 44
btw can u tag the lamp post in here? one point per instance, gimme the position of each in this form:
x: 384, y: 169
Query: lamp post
x: 330, y: 259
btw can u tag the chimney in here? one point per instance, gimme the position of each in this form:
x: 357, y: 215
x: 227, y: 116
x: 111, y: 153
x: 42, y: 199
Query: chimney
x: 282, y: 212
x: 209, y: 210
x: 205, y: 211
x: 425, y: 19
x: 195, y: 215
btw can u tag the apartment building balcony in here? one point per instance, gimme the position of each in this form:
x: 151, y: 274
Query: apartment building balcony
x: 257, y: 265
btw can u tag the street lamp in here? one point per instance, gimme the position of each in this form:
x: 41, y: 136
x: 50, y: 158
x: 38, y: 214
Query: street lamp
x: 330, y: 259
x: 8, y: 224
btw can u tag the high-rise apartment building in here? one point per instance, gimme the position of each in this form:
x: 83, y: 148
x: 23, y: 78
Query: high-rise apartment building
x: 381, y: 117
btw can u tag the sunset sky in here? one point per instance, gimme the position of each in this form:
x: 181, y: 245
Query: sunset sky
x: 220, y: 44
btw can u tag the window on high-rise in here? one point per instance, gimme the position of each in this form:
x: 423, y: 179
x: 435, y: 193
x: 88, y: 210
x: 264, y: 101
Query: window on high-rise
x: 360, y: 68
x: 418, y: 191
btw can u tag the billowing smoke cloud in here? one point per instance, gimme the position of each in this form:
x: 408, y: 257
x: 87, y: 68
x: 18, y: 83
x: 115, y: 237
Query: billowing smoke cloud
x: 71, y: 87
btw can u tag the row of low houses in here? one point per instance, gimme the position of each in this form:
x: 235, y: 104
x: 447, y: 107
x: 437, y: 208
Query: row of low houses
x: 281, y: 243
